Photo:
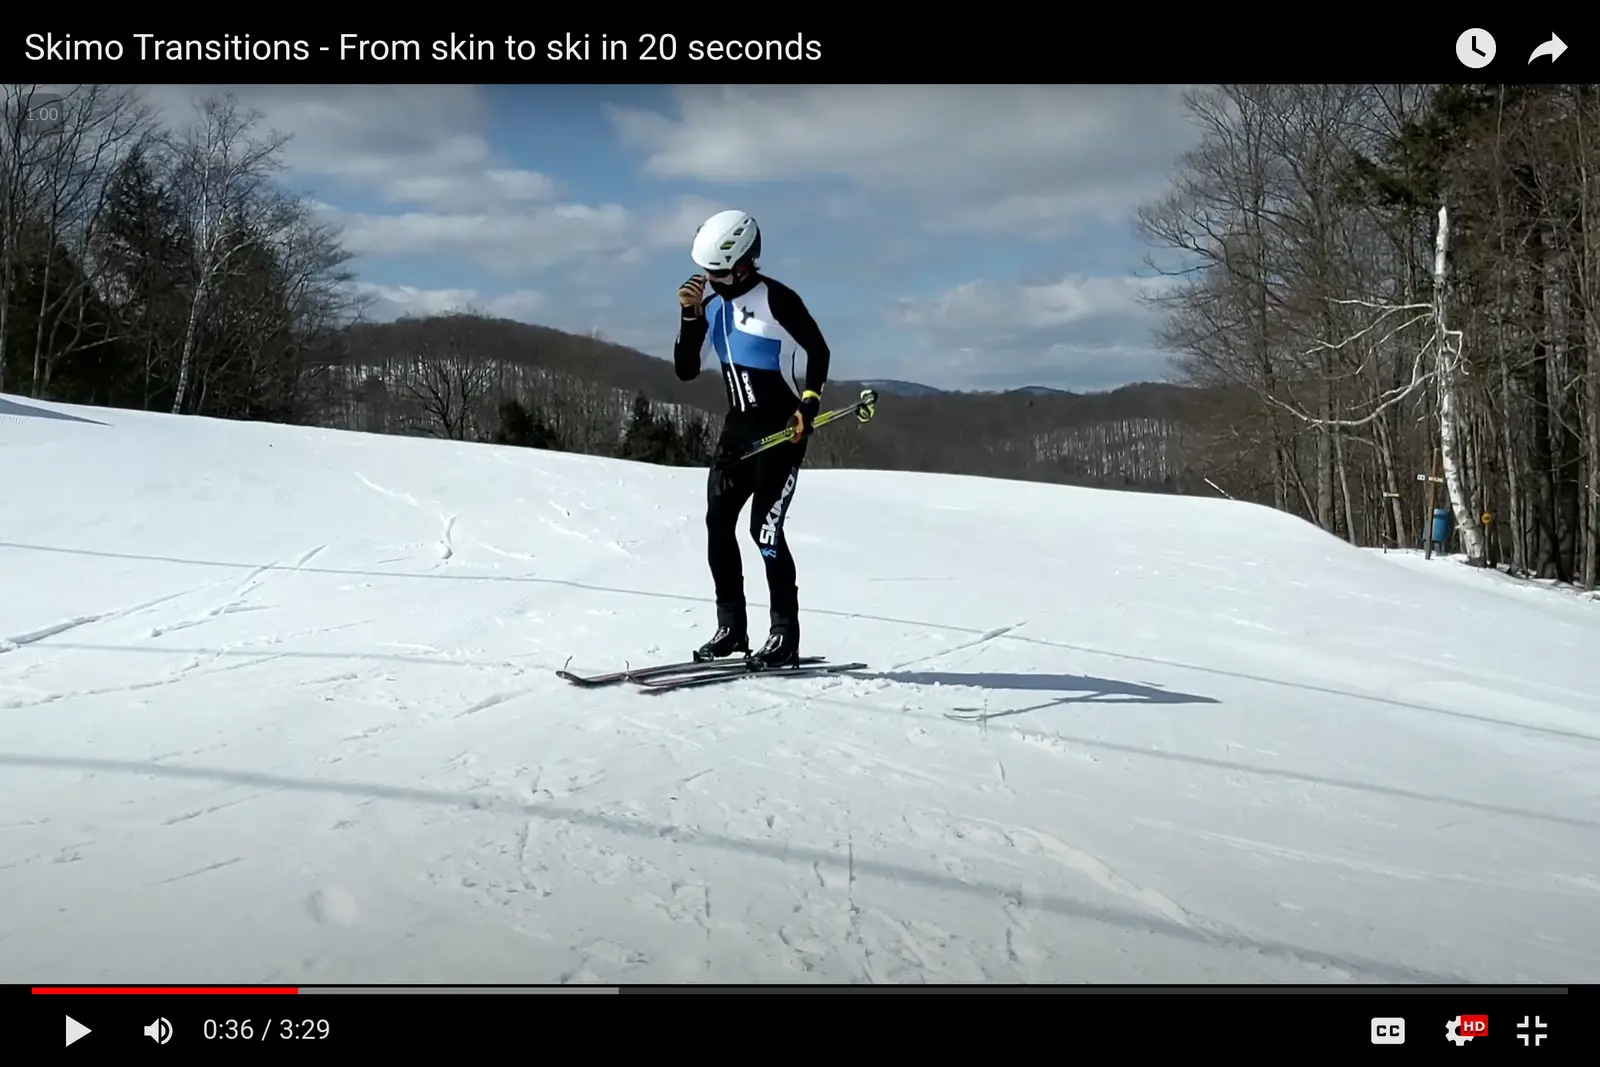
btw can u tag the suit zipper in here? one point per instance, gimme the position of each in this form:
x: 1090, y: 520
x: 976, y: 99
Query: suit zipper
x: 727, y: 342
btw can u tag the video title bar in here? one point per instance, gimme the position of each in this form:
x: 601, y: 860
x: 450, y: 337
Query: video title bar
x: 823, y: 48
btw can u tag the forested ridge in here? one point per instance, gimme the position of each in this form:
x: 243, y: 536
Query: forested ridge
x: 1403, y: 278
x: 1366, y: 285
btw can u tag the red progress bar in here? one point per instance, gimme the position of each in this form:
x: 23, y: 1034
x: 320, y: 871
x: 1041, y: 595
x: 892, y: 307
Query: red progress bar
x: 165, y: 989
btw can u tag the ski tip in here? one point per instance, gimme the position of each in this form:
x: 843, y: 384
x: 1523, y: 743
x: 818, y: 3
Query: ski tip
x: 567, y: 676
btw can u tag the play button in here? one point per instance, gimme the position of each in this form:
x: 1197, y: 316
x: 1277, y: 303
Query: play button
x: 75, y: 1030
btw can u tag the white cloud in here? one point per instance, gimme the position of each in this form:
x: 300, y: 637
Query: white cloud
x: 1072, y: 333
x: 389, y: 302
x: 408, y: 145
x: 989, y: 308
x: 510, y: 244
x: 405, y: 144
x: 1022, y: 159
x: 423, y: 151
x: 674, y: 226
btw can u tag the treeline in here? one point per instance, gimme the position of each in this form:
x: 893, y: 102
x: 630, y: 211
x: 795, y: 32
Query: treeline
x: 1403, y: 280
x: 650, y: 436
x: 150, y: 267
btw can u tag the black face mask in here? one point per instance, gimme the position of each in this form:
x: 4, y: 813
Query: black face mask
x: 735, y: 283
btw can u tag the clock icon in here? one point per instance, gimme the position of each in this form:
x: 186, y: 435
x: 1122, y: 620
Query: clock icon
x: 1475, y: 48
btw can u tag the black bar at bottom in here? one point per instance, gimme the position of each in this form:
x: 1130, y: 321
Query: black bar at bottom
x: 308, y: 1027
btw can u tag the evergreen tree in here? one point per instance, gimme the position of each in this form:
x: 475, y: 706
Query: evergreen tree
x: 524, y: 428
x: 698, y: 443
x: 650, y: 438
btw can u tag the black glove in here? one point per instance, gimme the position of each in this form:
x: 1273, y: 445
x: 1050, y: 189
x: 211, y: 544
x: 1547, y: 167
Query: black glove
x: 810, y: 403
x: 692, y: 297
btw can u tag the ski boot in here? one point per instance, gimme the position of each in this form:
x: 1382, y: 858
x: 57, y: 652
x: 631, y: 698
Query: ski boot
x: 782, y: 648
x: 732, y: 636
x: 726, y: 642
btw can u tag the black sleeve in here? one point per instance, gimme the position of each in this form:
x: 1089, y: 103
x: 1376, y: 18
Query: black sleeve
x: 790, y: 312
x: 687, y: 348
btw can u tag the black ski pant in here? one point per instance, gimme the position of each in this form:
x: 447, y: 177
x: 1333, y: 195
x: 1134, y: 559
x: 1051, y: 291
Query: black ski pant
x: 766, y: 481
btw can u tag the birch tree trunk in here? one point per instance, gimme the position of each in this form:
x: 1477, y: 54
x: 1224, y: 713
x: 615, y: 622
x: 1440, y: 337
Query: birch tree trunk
x: 1447, y: 366
x: 226, y: 171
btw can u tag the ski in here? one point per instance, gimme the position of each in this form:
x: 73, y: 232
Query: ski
x: 689, y: 668
x: 667, y: 683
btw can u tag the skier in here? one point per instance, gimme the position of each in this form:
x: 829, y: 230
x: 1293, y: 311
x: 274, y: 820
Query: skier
x: 774, y: 363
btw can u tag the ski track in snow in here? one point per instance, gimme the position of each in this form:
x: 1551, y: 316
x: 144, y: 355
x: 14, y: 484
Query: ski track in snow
x: 1078, y: 755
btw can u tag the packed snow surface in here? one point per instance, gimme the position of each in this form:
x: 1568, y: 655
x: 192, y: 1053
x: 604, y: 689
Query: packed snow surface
x: 279, y: 705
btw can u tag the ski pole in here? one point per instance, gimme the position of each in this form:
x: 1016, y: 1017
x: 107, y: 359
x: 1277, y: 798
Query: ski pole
x: 863, y: 409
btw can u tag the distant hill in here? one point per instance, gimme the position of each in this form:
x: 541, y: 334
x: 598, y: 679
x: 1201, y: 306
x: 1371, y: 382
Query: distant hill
x: 899, y: 388
x: 902, y: 388
x: 447, y: 375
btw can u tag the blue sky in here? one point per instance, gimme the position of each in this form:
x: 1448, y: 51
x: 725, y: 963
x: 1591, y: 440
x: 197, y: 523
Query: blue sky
x: 966, y: 237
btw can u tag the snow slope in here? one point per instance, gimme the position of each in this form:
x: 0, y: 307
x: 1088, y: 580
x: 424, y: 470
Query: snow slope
x: 278, y: 705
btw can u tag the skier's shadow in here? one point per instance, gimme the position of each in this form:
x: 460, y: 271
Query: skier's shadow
x: 1075, y: 689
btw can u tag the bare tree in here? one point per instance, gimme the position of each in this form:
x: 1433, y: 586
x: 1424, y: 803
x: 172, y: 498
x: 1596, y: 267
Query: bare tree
x: 225, y: 171
x: 446, y: 379
x: 23, y: 140
x: 1588, y: 271
x: 96, y: 128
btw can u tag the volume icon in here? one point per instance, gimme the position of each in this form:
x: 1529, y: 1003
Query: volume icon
x: 159, y: 1031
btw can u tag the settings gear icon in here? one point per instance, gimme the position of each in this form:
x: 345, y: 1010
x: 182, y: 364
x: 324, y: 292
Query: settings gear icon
x: 1452, y: 1032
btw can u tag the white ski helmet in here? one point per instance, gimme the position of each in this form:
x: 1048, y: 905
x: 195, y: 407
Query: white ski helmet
x: 724, y: 239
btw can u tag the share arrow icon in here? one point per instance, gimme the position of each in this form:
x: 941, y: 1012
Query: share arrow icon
x: 1552, y: 48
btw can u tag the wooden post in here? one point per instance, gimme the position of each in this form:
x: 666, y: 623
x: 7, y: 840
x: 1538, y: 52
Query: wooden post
x: 1427, y: 518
